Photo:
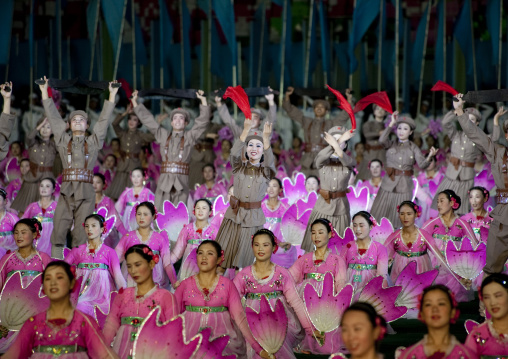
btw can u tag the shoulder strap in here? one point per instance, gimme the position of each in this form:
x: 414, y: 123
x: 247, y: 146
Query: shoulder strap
x: 69, y: 153
x: 182, y: 142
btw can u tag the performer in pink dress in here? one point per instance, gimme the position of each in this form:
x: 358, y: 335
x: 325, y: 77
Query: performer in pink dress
x: 438, y: 308
x: 15, y: 185
x: 221, y: 162
x: 210, y: 300
x: 7, y: 222
x: 362, y: 331
x: 311, y: 268
x: 423, y: 194
x: 131, y: 306
x: 145, y: 215
x: 44, y: 211
x: 365, y: 258
x: 61, y: 328
x: 131, y: 197
x: 191, y: 237
x: 274, y: 209
x: 490, y: 339
x: 211, y: 189
x: 101, y: 200
x: 478, y: 218
x: 374, y: 182
x: 99, y: 267
x: 448, y: 226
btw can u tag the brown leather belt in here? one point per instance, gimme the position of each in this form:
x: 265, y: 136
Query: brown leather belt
x: 235, y: 204
x: 309, y: 147
x: 34, y: 168
x: 456, y: 162
x: 374, y: 147
x: 178, y: 168
x: 392, y: 172
x: 328, y: 195
x: 78, y: 175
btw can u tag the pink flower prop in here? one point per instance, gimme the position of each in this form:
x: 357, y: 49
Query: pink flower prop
x: 294, y: 191
x: 382, y: 231
x: 172, y: 219
x: 212, y: 348
x: 293, y: 225
x: 383, y: 299
x: 466, y: 261
x: 413, y: 284
x: 358, y: 199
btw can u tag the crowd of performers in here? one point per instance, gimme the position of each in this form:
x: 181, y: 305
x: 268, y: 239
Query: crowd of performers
x: 314, y: 249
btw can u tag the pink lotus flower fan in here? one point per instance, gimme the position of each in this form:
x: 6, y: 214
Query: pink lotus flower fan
x: 212, y: 349
x: 294, y: 191
x: 12, y: 170
x: 382, y: 231
x: 466, y: 261
x: 110, y: 221
x: 413, y: 284
x: 382, y: 299
x: 100, y: 317
x: 325, y: 310
x: 293, y: 226
x: 337, y: 242
x: 269, y: 327
x: 433, y: 188
x: 219, y: 204
x: 470, y: 325
x: 358, y: 199
x: 191, y: 265
x: 164, y: 340
x: 415, y: 188
x: 281, y: 172
x: 172, y: 219
x: 308, y: 203
x: 483, y: 179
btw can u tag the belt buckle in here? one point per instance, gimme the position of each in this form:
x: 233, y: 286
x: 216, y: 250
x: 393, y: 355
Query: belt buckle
x: 173, y: 169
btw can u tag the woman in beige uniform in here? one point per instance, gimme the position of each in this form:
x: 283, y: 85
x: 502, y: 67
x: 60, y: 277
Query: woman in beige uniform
x: 335, y: 168
x: 401, y: 156
x: 372, y: 129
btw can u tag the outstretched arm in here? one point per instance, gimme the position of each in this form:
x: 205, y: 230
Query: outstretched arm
x: 6, y: 121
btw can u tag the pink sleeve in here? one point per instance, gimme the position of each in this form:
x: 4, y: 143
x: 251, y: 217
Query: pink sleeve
x: 179, y: 248
x: 113, y: 320
x: 120, y: 203
x: 151, y: 197
x: 469, y: 232
x: 115, y: 271
x: 296, y: 270
x: 3, y: 271
x: 28, y: 212
x: 382, y: 261
x: 170, y: 307
x: 22, y: 346
x: 238, y: 314
x: 471, y: 343
x: 179, y: 292
x: 45, y: 259
x: 389, y: 244
x: 166, y: 260
x: 296, y: 303
x: 340, y: 274
x: 120, y: 248
x: 238, y: 282
x: 71, y: 258
x: 95, y: 343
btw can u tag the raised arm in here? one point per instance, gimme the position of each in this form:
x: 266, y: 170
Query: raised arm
x: 101, y: 127
x: 423, y: 162
x: 384, y: 139
x: 6, y: 121
x: 116, y: 123
x: 293, y: 112
x: 146, y: 117
x: 224, y: 114
x: 496, y: 130
x: 272, y: 108
x: 449, y: 124
x: 201, y: 122
x: 58, y: 125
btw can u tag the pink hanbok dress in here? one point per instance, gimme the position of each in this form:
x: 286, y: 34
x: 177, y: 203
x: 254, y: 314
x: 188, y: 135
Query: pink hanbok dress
x: 187, y: 243
x: 101, y: 274
x: 7, y: 223
x: 128, y: 200
x: 223, y: 168
x: 45, y: 216
x: 210, y: 193
x: 159, y: 245
x: 485, y: 342
x: 424, y: 196
x: 373, y: 190
x: 79, y: 338
x: 221, y: 310
x: 28, y: 267
x: 456, y: 350
x: 442, y: 234
x: 278, y: 285
x: 13, y: 188
x: 309, y: 270
x: 128, y: 311
x: 363, y: 265
x: 273, y: 223
x: 480, y: 225
x: 119, y: 230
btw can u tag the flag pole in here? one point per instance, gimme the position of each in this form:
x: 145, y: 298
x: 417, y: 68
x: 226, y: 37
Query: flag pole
x: 307, y: 53
x: 209, y: 59
x: 283, y: 51
x: 397, y: 40
x: 380, y: 45
x: 133, y: 25
x: 473, y: 46
x: 261, y: 43
x: 500, y: 58
x: 234, y: 66
x: 94, y: 38
x: 119, y: 45
x: 182, y: 47
x: 420, y: 87
x: 444, y: 53
x: 9, y: 50
x: 59, y: 34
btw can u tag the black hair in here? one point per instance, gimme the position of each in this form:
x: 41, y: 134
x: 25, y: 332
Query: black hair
x: 209, y: 165
x: 451, y: 194
x: 266, y: 232
x: 499, y: 278
x: 366, y: 215
x: 98, y: 217
x: 139, y: 169
x: 378, y: 160
x: 208, y: 202
x: 137, y: 118
x: 324, y: 222
x: 111, y: 155
x: 24, y: 160
x: 3, y: 193
x: 278, y: 181
x: 101, y: 176
x: 442, y: 288
x: 148, y: 205
x: 62, y: 264
x: 410, y: 204
x: 140, y: 249
x: 19, y: 143
x: 32, y: 223
x: 483, y: 191
x: 374, y: 318
x: 116, y: 139
x: 52, y: 180
x: 315, y: 177
x: 215, y: 245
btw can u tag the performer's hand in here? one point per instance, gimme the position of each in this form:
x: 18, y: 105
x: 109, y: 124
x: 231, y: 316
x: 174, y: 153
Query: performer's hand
x: 432, y: 152
x: 247, y: 124
x: 346, y: 136
x: 44, y: 88
x: 6, y: 94
x: 218, y: 101
x: 113, y: 89
x: 500, y: 112
x: 270, y: 96
x: 285, y: 245
x: 267, y: 129
x: 395, y: 117
x: 200, y: 95
x: 289, y: 92
x: 134, y: 98
x: 349, y: 96
x: 330, y: 140
x: 264, y: 354
x: 177, y: 284
x: 466, y: 282
x: 45, y: 121
x: 460, y: 103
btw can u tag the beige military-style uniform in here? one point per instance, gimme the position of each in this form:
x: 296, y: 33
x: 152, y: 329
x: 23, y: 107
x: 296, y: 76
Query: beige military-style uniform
x: 237, y: 130
x: 6, y: 124
x: 373, y: 149
x: 175, y: 152
x: 78, y: 153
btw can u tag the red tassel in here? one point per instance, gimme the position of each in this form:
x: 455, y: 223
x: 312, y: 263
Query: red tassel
x: 345, y: 106
x: 50, y: 92
x: 379, y: 98
x: 443, y: 86
x: 238, y: 95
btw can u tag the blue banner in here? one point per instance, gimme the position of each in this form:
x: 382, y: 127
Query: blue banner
x: 462, y: 34
x: 325, y: 41
x: 418, y: 45
x: 493, y: 22
x: 114, y: 11
x: 365, y: 13
x: 6, y: 9
x: 225, y: 14
x: 439, y: 52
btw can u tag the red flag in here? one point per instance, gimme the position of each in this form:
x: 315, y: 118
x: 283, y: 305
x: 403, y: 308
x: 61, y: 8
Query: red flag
x: 238, y: 95
x: 345, y: 106
x: 379, y: 98
x: 126, y: 87
x: 443, y: 86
